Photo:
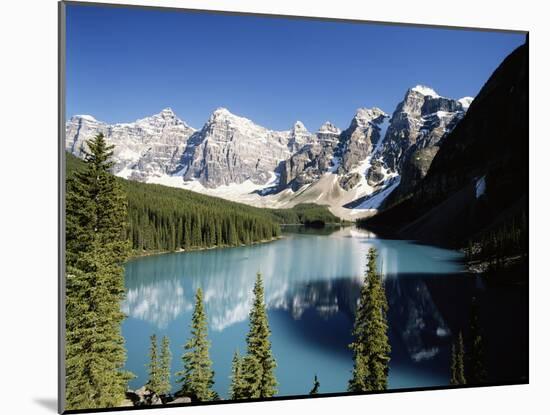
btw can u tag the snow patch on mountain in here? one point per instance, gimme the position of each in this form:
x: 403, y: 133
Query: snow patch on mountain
x: 233, y: 191
x: 383, y: 130
x: 364, y: 116
x: 86, y: 117
x: 465, y: 102
x: 299, y: 126
x: 328, y: 128
x: 364, y: 167
x: 425, y: 90
x: 481, y: 187
x: 334, y: 164
x: 375, y: 200
x: 125, y: 173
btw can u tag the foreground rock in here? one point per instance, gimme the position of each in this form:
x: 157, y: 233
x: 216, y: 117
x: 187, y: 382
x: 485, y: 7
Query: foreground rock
x: 180, y: 400
x: 143, y: 397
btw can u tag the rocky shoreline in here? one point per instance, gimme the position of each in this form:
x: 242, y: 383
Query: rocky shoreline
x: 145, y: 397
x: 137, y: 254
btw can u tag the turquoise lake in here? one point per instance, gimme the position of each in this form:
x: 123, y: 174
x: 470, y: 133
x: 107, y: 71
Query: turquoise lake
x: 312, y: 280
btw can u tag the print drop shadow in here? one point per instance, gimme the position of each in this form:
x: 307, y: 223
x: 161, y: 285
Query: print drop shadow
x: 49, y: 403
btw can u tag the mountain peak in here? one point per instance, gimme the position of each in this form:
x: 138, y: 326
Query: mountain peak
x: 425, y: 90
x: 166, y: 117
x: 365, y: 115
x: 220, y: 114
x: 221, y: 111
x: 328, y: 128
x: 167, y: 112
x: 85, y: 117
x: 223, y: 114
x: 223, y: 117
x: 465, y: 102
x: 299, y: 126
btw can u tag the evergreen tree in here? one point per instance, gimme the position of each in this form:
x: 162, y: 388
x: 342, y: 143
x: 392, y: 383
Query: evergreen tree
x: 457, y: 362
x: 252, y: 372
x: 197, y: 376
x: 259, y: 364
x: 454, y: 366
x: 358, y: 381
x: 460, y: 360
x: 371, y: 348
x: 477, y: 372
x: 96, y: 207
x: 96, y: 249
x: 165, y: 365
x: 316, y: 385
x: 153, y: 384
x: 236, y: 389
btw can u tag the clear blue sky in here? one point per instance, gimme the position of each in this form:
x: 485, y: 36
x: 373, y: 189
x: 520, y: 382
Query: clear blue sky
x: 124, y: 64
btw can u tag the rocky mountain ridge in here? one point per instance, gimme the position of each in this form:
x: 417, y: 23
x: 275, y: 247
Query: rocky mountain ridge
x: 232, y: 157
x: 146, y: 147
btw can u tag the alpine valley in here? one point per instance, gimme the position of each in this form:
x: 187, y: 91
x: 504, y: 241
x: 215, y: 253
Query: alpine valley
x: 389, y: 253
x: 351, y: 170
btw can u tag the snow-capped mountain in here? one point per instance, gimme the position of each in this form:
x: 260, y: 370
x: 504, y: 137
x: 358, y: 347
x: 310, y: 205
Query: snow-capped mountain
x: 352, y: 170
x: 231, y: 149
x: 311, y: 160
x: 418, y: 124
x: 148, y: 147
x: 358, y: 142
x: 423, y: 116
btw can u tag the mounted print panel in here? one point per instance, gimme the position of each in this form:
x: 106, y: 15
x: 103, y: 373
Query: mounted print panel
x: 260, y: 207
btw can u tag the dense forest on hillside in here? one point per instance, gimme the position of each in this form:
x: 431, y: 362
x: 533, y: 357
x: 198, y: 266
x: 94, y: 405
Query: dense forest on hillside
x: 496, y: 244
x: 308, y: 214
x: 162, y: 218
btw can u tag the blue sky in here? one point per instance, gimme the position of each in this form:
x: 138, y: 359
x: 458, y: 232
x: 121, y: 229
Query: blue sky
x: 124, y: 64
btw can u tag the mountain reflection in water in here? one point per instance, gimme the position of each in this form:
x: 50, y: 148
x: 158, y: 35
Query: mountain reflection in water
x: 312, y: 282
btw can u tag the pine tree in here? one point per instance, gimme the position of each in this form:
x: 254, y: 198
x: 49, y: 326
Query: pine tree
x: 153, y: 384
x: 236, y: 389
x: 96, y: 249
x: 371, y: 348
x: 187, y: 233
x: 252, y: 372
x: 96, y: 207
x: 454, y: 366
x: 259, y: 364
x: 165, y: 366
x: 457, y: 362
x: 233, y: 238
x: 316, y: 385
x: 197, y: 376
x: 477, y: 372
x: 460, y: 360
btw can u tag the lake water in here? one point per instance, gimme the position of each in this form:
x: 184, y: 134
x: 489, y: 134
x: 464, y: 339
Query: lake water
x: 312, y: 281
